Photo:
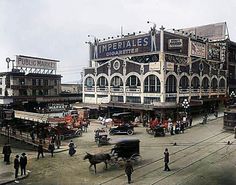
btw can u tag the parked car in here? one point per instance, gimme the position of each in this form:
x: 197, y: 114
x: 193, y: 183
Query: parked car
x: 122, y: 129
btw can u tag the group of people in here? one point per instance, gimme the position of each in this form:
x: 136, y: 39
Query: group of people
x: 19, y: 161
x: 170, y: 126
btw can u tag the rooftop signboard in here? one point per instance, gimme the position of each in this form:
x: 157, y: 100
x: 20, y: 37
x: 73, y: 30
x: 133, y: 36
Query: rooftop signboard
x: 33, y: 62
x: 214, y: 32
x: 126, y: 46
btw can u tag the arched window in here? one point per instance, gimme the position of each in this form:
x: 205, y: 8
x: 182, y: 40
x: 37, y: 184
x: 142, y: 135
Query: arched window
x: 116, y: 81
x: 133, y: 81
x: 195, y: 83
x: 102, y: 82
x: 205, y: 83
x: 171, y: 84
x: 214, y: 84
x: 152, y: 84
x: 184, y: 82
x: 222, y: 83
x: 89, y: 82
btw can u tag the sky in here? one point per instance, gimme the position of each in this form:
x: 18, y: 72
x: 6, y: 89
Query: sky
x: 58, y: 29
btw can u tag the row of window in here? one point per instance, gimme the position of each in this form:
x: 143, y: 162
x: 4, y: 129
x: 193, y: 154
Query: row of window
x: 38, y: 82
x: 24, y: 92
x: 152, y: 83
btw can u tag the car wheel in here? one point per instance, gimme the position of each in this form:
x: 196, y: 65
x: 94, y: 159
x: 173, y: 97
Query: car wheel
x: 130, y: 132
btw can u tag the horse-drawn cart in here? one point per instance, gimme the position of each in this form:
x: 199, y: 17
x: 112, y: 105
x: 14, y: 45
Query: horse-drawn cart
x: 125, y: 149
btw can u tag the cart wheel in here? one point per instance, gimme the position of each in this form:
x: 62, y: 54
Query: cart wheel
x: 120, y: 163
x: 130, y: 132
x: 78, y: 133
x: 136, y: 158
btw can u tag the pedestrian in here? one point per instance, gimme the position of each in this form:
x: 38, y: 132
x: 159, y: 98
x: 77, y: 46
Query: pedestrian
x: 190, y: 120
x: 235, y: 132
x: 129, y: 170
x: 182, y: 127
x: 166, y: 160
x: 71, y: 148
x: 6, y: 152
x: 16, y: 166
x: 32, y: 136
x: 40, y: 150
x: 23, y: 163
x: 51, y: 148
x: 58, y: 141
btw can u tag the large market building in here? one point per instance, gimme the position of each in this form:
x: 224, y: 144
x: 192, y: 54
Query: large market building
x: 156, y: 71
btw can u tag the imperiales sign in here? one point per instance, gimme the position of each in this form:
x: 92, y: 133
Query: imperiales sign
x: 39, y: 63
x: 125, y: 46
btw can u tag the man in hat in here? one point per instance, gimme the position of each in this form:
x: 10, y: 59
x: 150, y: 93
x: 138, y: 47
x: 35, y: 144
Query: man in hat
x: 129, y: 170
x: 40, y: 150
x: 16, y: 166
x: 166, y: 160
x: 6, y: 152
x: 23, y: 163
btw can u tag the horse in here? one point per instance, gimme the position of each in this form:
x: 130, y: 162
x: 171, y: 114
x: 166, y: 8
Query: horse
x: 97, y: 158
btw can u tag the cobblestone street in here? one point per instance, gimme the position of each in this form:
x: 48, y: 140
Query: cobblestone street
x: 201, y: 156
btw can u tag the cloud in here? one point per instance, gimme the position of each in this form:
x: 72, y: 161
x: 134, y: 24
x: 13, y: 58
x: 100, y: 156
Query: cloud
x: 58, y: 29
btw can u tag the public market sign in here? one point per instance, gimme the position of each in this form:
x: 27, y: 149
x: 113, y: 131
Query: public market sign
x: 129, y: 45
x: 33, y: 62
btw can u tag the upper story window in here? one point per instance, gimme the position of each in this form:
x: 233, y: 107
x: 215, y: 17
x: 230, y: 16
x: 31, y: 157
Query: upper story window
x: 116, y: 81
x: 133, y: 81
x: 0, y: 81
x: 89, y: 82
x: 55, y: 82
x: 102, y: 82
x: 34, y: 82
x: 45, y: 82
x: 152, y: 84
x: 21, y: 81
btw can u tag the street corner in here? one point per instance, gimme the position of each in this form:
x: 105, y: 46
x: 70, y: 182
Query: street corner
x: 8, y: 177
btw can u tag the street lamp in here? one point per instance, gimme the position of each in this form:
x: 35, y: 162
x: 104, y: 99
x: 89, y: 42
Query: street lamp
x: 8, y: 133
x: 185, y: 105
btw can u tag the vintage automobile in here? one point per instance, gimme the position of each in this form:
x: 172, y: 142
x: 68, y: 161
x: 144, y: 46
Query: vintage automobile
x: 122, y: 118
x: 122, y: 129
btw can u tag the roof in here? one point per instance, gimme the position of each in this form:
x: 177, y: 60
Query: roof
x: 120, y: 114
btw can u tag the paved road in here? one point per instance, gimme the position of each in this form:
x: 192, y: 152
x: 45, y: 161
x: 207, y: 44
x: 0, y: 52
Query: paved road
x: 201, y: 156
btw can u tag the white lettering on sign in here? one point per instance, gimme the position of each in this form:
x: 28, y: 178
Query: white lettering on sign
x: 30, y: 62
x: 175, y: 43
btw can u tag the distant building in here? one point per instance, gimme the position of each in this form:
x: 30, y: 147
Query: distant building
x: 157, y: 71
x: 32, y: 85
x: 71, y: 88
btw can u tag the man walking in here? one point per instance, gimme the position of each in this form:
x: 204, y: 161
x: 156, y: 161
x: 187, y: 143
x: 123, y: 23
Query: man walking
x: 6, y: 152
x: 166, y: 160
x: 16, y: 166
x: 129, y: 170
x: 40, y: 150
x: 51, y: 148
x: 23, y: 163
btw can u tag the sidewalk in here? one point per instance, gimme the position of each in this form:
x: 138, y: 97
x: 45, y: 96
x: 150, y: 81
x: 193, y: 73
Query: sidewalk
x: 7, y: 173
x: 199, y: 119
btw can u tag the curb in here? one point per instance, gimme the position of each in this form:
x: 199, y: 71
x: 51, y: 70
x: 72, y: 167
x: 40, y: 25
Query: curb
x: 19, y: 178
